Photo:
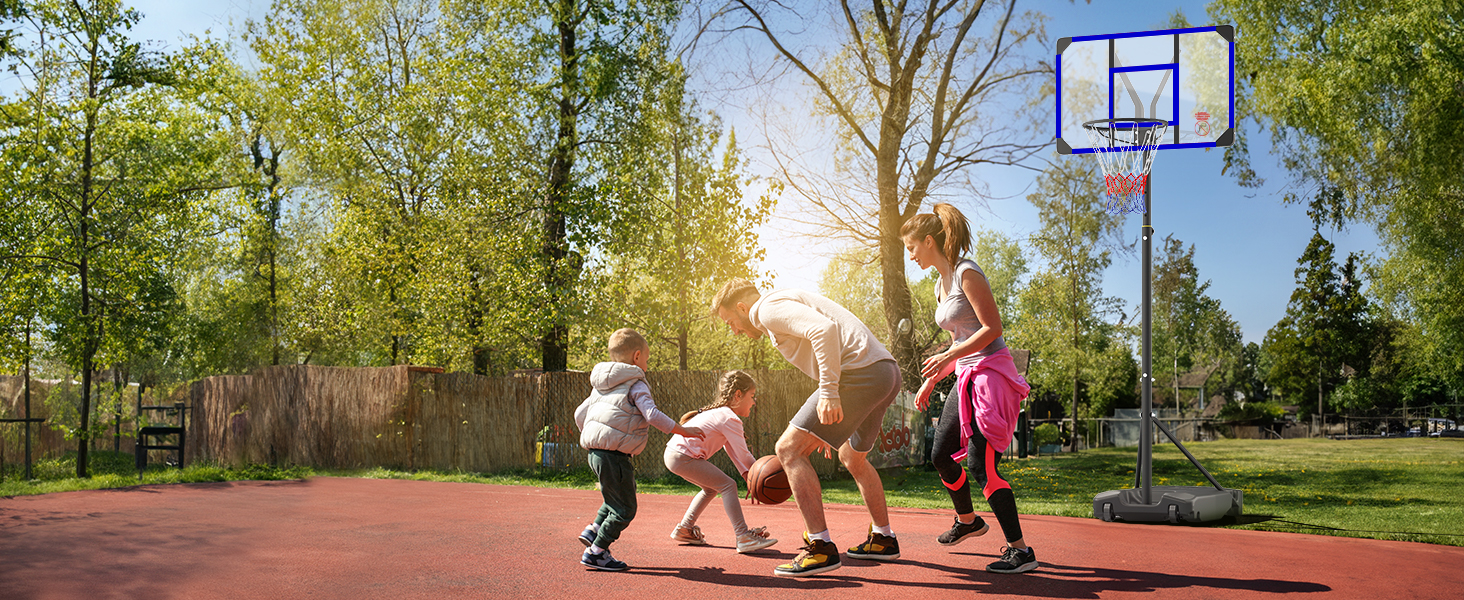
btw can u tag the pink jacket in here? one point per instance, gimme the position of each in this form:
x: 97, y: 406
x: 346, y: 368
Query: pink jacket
x: 994, y: 398
x: 722, y: 429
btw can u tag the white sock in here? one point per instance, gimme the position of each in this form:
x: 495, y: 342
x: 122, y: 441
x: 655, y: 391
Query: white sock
x: 595, y: 527
x: 822, y: 535
x: 593, y: 549
x: 884, y: 530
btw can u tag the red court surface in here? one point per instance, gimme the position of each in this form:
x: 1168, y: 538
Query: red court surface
x: 360, y: 538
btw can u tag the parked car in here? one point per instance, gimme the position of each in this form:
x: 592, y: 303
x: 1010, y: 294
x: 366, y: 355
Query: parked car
x: 1448, y: 433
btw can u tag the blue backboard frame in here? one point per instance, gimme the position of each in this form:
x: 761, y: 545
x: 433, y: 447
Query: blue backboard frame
x: 1176, y: 138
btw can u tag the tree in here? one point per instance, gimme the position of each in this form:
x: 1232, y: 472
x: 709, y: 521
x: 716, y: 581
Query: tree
x: 1325, y: 327
x: 1001, y: 259
x: 909, y: 89
x: 692, y: 235
x: 1190, y: 328
x: 1362, y: 100
x: 108, y: 163
x: 598, y: 52
x: 1063, y: 315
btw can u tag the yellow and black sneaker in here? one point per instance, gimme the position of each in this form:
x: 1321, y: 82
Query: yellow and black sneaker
x: 878, y: 547
x: 817, y: 557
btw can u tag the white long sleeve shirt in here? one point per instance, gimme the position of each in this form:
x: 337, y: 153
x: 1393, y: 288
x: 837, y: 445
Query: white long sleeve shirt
x: 723, y: 429
x: 817, y: 335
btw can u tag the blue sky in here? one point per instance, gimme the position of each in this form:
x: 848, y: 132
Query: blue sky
x: 1246, y: 240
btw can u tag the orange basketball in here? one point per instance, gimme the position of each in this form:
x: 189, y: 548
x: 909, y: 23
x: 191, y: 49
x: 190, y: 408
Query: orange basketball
x: 766, y: 481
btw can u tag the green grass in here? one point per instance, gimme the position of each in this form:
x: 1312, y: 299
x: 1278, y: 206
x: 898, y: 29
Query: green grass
x: 1396, y: 489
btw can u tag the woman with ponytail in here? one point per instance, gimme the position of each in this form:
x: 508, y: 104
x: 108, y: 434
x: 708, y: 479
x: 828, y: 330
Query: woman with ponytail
x: 979, y: 419
x: 721, y: 423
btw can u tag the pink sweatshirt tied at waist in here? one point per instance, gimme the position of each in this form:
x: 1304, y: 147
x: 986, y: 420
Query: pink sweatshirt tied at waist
x: 995, y: 397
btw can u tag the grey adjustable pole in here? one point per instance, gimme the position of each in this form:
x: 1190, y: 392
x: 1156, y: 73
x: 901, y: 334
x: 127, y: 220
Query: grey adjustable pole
x: 1146, y: 433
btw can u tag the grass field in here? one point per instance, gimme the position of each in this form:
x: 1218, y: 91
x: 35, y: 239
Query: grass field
x: 1396, y: 489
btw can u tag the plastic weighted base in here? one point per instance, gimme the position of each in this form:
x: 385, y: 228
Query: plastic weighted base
x: 1169, y: 504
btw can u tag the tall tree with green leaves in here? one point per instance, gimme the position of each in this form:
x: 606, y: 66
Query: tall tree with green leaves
x: 911, y: 90
x: 1325, y: 328
x: 1190, y: 328
x: 1363, y: 101
x: 1001, y: 259
x: 1064, y: 316
x: 693, y: 234
x: 110, y: 162
x: 601, y: 57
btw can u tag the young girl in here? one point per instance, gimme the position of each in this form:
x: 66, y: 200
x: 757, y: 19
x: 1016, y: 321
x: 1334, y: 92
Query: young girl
x: 988, y: 391
x: 721, y: 423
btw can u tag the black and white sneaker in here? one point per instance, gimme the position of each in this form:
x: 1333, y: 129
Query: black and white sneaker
x: 602, y: 561
x: 960, y: 532
x: 587, y: 537
x: 1014, y: 561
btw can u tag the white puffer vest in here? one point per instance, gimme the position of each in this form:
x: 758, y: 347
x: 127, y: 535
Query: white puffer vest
x: 608, y: 419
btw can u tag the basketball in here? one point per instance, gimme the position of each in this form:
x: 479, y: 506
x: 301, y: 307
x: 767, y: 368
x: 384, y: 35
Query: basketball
x: 766, y: 481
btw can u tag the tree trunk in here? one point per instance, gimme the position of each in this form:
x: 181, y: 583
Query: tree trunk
x: 554, y: 343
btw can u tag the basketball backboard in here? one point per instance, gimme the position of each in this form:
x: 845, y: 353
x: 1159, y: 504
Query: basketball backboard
x: 1183, y: 76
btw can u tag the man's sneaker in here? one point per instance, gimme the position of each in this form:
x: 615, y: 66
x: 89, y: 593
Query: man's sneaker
x: 960, y: 532
x: 817, y: 556
x: 587, y: 537
x: 689, y: 535
x: 1014, y: 561
x: 877, y: 547
x: 602, y: 560
x: 754, y: 540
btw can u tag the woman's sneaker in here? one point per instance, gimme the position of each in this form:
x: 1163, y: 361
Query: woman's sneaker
x: 877, y: 546
x: 960, y: 532
x: 1014, y: 561
x: 689, y: 535
x: 602, y: 560
x: 754, y: 540
x: 817, y: 556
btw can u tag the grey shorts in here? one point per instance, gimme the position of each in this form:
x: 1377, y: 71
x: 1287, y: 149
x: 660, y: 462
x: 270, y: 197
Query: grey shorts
x: 864, y: 394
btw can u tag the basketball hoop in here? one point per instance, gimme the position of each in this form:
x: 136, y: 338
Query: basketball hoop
x: 1125, y: 149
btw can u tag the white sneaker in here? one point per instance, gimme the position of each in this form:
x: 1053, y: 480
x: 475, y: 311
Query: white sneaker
x: 689, y: 535
x: 754, y: 540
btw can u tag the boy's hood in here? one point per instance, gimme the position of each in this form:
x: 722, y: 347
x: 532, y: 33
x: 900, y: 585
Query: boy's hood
x: 609, y: 375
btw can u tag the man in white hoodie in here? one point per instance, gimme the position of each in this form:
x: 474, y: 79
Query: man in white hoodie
x: 613, y: 427
x: 857, y: 380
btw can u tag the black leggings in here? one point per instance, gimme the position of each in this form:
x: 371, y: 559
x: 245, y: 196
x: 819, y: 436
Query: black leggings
x: 985, y: 462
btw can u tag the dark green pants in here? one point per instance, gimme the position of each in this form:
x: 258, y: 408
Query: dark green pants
x: 617, y: 486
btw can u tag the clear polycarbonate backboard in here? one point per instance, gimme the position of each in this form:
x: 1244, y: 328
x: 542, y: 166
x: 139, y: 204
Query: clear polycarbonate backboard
x: 1183, y: 76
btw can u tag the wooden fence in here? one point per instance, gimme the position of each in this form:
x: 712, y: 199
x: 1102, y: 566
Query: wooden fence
x: 416, y: 418
x: 47, y: 442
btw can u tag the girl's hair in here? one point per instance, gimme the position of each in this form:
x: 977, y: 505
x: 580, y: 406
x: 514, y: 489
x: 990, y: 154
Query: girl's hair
x: 948, y: 227
x: 732, y: 381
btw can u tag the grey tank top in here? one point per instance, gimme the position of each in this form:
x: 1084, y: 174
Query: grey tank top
x: 955, y: 314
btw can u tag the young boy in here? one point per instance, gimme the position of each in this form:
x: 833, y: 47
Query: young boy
x: 613, y: 426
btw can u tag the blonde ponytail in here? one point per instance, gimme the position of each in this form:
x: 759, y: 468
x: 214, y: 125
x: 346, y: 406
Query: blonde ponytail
x: 731, y: 382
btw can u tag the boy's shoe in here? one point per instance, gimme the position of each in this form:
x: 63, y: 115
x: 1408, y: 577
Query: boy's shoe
x: 877, y: 547
x: 754, y: 540
x: 817, y: 556
x: 1014, y: 561
x: 587, y: 537
x: 960, y: 532
x: 689, y: 535
x: 602, y: 561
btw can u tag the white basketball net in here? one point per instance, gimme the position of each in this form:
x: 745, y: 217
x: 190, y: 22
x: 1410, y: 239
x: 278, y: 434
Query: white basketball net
x: 1125, y: 150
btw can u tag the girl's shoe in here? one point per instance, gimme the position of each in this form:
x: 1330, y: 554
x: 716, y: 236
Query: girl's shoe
x: 689, y: 535
x: 754, y: 540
